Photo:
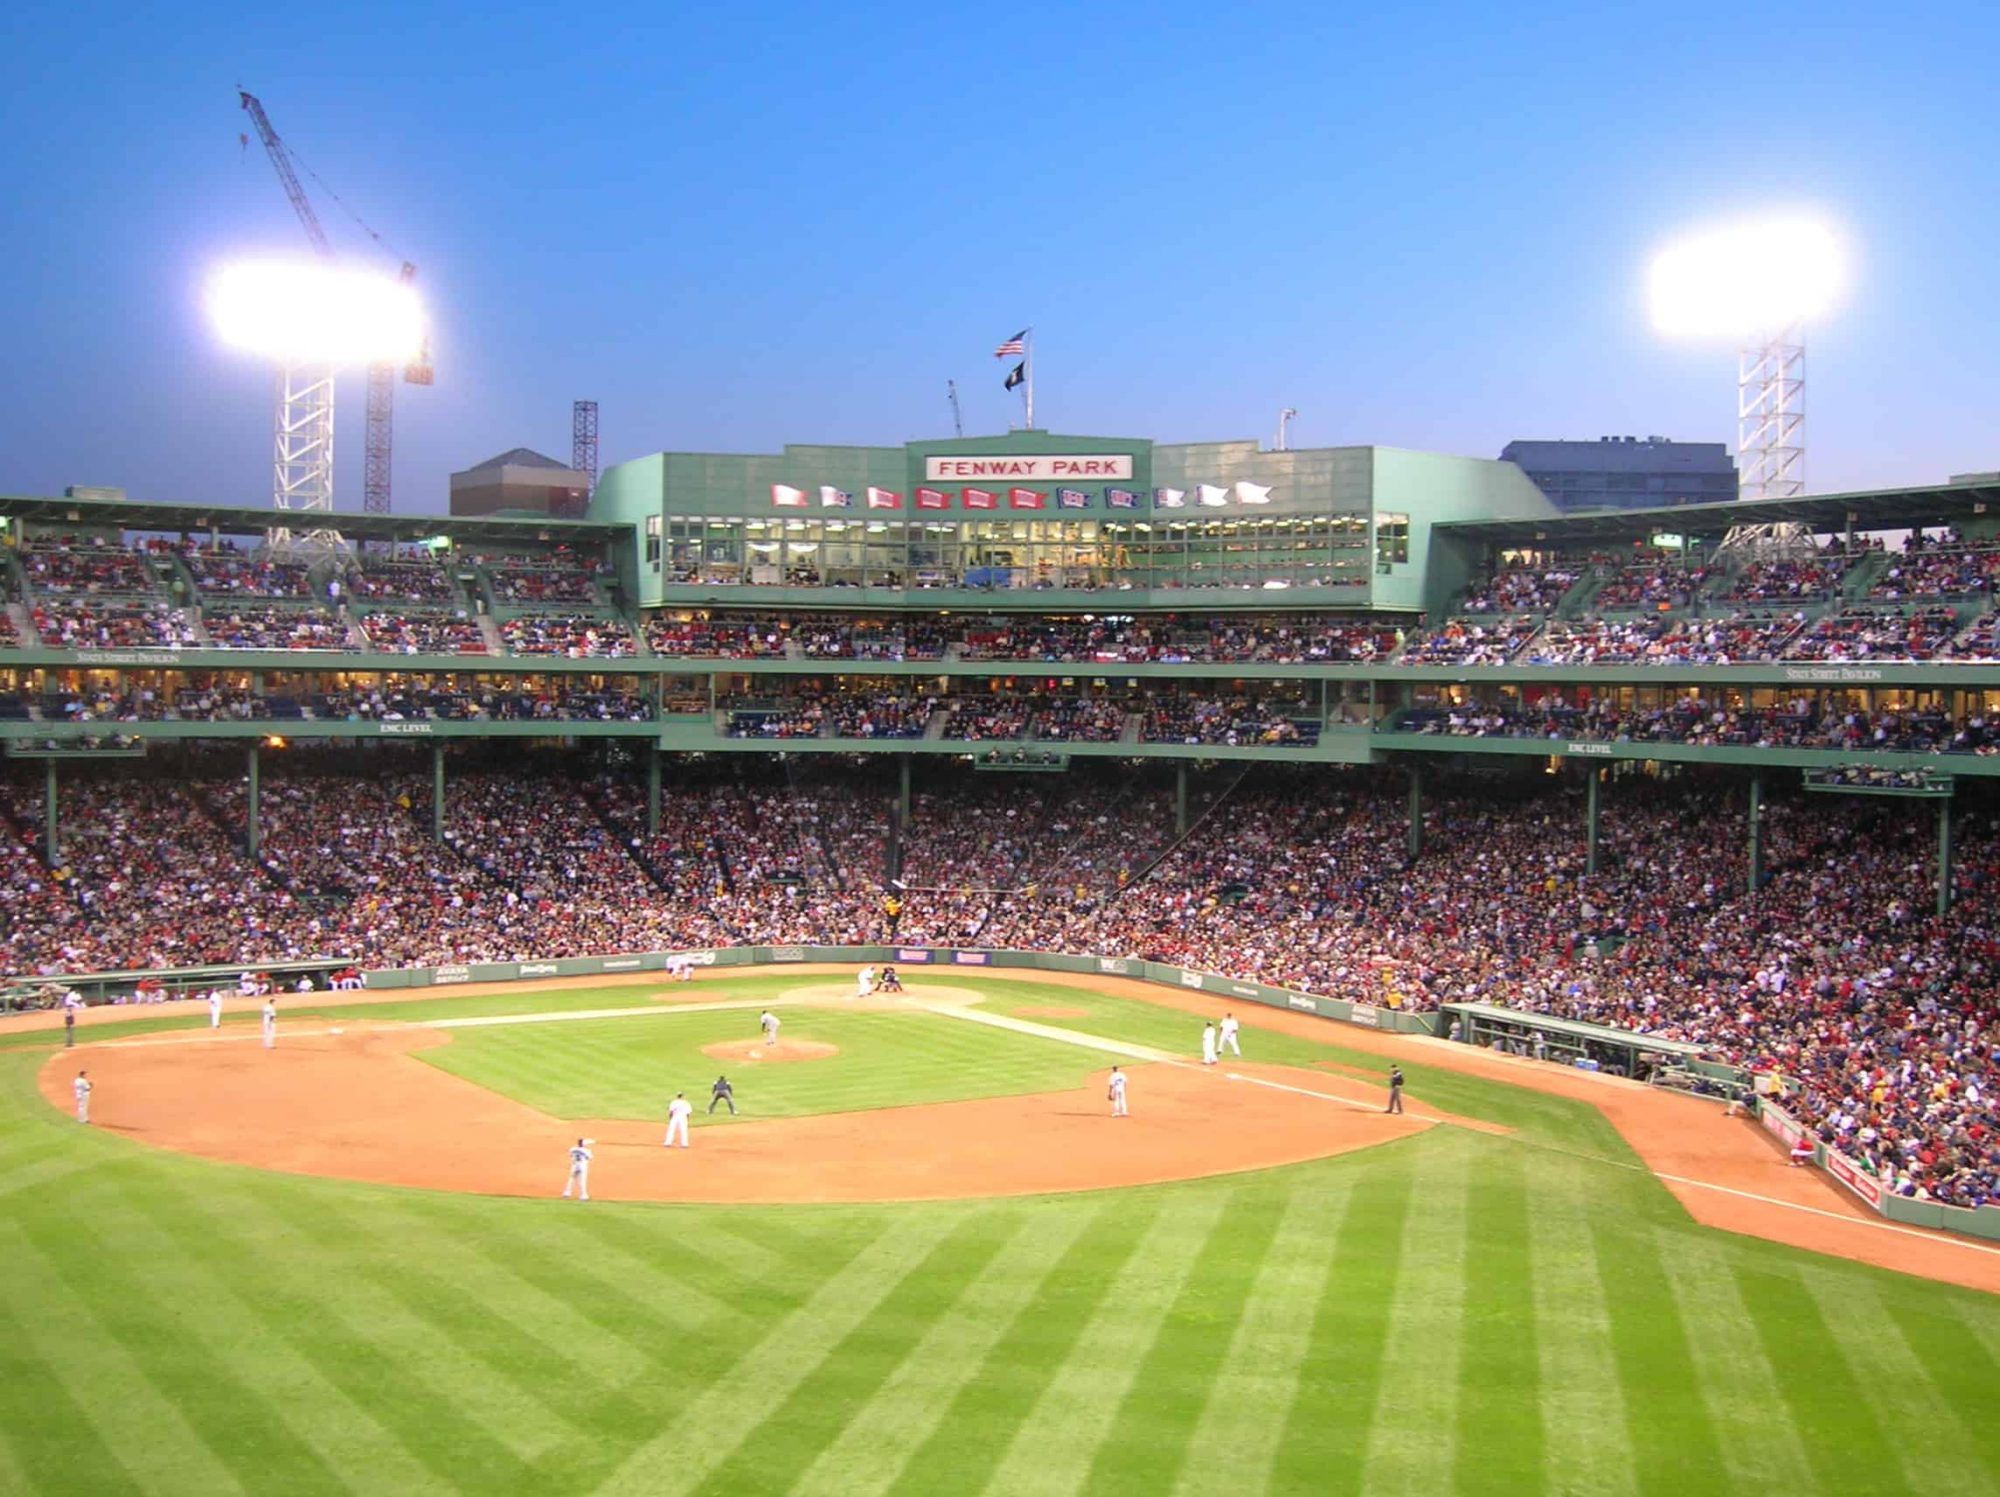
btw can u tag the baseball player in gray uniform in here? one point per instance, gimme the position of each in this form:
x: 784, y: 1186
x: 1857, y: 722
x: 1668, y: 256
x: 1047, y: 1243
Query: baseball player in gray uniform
x: 270, y: 1024
x: 579, y: 1171
x: 769, y: 1024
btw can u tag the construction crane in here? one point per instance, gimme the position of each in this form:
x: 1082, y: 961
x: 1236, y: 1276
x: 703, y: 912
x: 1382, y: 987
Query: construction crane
x: 957, y: 423
x: 303, y: 455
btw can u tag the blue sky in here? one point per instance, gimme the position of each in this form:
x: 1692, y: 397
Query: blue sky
x: 736, y: 226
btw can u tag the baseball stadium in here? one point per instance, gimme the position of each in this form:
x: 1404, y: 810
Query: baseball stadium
x: 1157, y: 968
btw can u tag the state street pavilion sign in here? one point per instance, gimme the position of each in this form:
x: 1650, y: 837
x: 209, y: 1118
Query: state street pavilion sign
x: 1046, y: 466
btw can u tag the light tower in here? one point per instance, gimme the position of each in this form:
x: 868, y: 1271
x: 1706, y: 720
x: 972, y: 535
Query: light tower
x: 1757, y: 285
x: 583, y: 442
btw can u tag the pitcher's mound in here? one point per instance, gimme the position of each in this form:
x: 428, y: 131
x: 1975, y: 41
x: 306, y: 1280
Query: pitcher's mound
x: 757, y: 1050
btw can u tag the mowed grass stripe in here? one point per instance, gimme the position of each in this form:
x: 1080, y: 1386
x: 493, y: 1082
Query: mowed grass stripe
x: 914, y: 1399
x: 712, y: 1424
x: 1501, y: 1445
x: 47, y: 1413
x: 1236, y: 1439
x: 1326, y: 1428
x: 1147, y: 1447
x: 802, y: 1426
x: 973, y: 1435
x: 1924, y: 1428
x: 1958, y: 1364
x: 580, y: 1380
x: 631, y: 1299
x: 1739, y: 1386
x: 1849, y: 1450
x: 372, y: 1352
x: 1584, y: 1448
x: 1054, y: 1449
x: 1412, y: 1436
x: 1673, y: 1444
x: 186, y: 1267
x: 152, y: 1397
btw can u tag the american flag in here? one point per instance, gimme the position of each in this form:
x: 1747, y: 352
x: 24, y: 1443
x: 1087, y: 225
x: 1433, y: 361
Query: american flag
x: 1013, y: 346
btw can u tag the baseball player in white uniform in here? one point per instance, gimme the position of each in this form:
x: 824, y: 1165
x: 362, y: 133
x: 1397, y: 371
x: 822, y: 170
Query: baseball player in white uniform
x: 1117, y: 1093
x: 82, y: 1089
x: 579, y: 1170
x: 1208, y: 1044
x: 1228, y: 1043
x: 864, y: 983
x: 678, y: 1112
x: 215, y: 1008
x: 270, y: 1024
x: 769, y: 1024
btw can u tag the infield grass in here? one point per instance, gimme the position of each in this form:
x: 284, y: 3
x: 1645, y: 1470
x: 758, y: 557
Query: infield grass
x: 1452, y: 1313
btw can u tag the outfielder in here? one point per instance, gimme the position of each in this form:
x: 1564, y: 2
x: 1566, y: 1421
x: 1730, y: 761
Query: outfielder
x: 678, y: 1111
x: 769, y: 1024
x: 82, y: 1089
x: 1229, y: 1028
x: 1117, y: 1093
x: 1208, y: 1044
x: 579, y: 1171
x: 270, y: 1024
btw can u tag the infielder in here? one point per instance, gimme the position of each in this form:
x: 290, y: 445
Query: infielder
x: 678, y: 1111
x: 82, y: 1089
x: 579, y: 1171
x: 769, y: 1024
x: 1229, y: 1028
x: 1208, y: 1044
x: 215, y: 1008
x: 1117, y: 1093
x: 270, y: 1024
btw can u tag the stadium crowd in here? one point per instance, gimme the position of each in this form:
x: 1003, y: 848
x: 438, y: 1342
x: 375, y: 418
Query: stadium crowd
x: 1880, y: 1016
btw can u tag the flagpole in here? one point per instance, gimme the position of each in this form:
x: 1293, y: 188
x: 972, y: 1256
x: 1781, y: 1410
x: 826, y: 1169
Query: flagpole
x: 1028, y: 355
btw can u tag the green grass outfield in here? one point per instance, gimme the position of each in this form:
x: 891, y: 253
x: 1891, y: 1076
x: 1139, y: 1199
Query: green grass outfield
x: 1455, y: 1312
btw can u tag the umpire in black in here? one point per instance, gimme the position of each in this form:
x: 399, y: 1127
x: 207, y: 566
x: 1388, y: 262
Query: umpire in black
x: 722, y: 1092
x: 1395, y: 1090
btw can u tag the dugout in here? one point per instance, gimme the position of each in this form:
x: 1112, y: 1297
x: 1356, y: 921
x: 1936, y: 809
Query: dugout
x: 1594, y: 1046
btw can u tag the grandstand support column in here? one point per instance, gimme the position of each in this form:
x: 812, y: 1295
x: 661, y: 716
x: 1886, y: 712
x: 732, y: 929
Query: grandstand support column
x: 253, y: 831
x: 1590, y: 822
x: 653, y: 794
x: 1756, y: 831
x: 903, y: 788
x: 1944, y: 855
x: 1415, y: 846
x: 1180, y: 799
x: 437, y: 792
x: 51, y: 830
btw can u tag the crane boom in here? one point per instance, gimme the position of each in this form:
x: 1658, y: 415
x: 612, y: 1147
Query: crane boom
x: 281, y: 159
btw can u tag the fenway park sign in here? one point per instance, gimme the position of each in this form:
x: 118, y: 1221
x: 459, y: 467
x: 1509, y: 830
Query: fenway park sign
x: 1042, y: 466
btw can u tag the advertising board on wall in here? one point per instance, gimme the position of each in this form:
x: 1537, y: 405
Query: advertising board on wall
x: 443, y: 975
x: 1850, y: 1174
x: 1367, y: 1014
x: 912, y: 955
x: 971, y: 958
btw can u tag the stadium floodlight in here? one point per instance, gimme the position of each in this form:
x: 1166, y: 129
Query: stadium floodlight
x: 309, y: 311
x: 1756, y: 284
x: 311, y: 317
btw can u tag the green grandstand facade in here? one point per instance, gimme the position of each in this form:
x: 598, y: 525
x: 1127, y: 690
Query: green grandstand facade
x: 1038, y: 519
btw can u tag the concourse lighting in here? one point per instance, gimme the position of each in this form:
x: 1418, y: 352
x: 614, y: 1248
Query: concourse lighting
x: 1746, y: 279
x: 306, y: 311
